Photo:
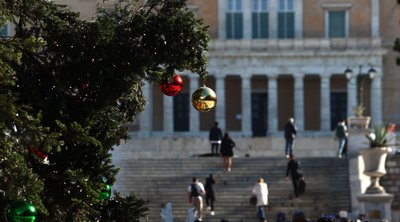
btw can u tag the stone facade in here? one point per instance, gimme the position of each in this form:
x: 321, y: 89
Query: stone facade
x: 391, y: 181
x: 300, y: 76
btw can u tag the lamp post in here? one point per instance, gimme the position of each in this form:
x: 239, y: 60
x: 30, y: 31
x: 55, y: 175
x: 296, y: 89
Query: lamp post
x: 360, y: 82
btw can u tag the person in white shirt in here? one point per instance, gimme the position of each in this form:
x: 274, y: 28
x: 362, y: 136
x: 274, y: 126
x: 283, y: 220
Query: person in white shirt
x: 261, y: 191
x: 195, y: 194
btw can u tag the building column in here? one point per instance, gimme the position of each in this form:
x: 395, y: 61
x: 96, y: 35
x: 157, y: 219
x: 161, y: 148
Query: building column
x: 168, y: 114
x: 272, y: 104
x: 246, y: 19
x: 146, y: 117
x: 298, y: 14
x: 351, y: 95
x: 375, y: 19
x: 221, y: 19
x: 299, y: 101
x: 273, y: 19
x: 325, y: 103
x: 376, y: 100
x: 246, y: 105
x: 194, y: 115
x: 220, y: 107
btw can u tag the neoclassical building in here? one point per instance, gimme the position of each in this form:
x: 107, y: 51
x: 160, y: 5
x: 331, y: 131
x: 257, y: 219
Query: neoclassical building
x: 273, y: 59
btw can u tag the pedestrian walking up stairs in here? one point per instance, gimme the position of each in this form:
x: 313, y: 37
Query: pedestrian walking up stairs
x: 159, y: 181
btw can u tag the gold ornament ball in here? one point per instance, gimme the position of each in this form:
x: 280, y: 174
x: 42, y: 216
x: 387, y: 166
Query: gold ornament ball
x: 204, y: 99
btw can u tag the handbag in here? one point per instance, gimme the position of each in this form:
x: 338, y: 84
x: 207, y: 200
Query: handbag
x: 302, y: 186
x: 253, y: 200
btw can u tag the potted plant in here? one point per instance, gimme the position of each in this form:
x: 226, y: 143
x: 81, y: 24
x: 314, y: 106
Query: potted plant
x: 359, y: 121
x: 359, y: 110
x: 375, y: 157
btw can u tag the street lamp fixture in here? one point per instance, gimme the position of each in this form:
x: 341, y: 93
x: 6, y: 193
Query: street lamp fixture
x: 349, y: 73
x: 371, y: 73
x: 360, y: 77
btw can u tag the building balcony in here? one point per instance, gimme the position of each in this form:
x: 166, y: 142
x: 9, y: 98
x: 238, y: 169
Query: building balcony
x: 305, y: 46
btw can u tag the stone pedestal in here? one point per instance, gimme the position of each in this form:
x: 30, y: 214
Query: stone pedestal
x: 361, y: 122
x: 356, y: 141
x: 376, y: 207
x: 358, y: 128
x: 358, y: 182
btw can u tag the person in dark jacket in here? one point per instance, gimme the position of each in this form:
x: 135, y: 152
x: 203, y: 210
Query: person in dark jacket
x: 290, y: 135
x: 294, y: 170
x: 341, y: 134
x: 227, y: 145
x: 210, y: 193
x: 215, y: 137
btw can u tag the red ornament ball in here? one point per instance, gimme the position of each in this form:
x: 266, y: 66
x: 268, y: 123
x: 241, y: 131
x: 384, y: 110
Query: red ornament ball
x: 41, y: 155
x: 38, y: 153
x: 172, y: 88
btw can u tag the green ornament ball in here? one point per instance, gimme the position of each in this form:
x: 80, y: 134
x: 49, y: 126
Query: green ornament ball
x: 21, y: 211
x: 105, y: 194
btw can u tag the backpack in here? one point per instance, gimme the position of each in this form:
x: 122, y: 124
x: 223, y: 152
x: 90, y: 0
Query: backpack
x: 340, y: 131
x: 195, y: 191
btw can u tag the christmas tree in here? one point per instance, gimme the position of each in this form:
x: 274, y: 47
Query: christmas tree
x: 68, y: 90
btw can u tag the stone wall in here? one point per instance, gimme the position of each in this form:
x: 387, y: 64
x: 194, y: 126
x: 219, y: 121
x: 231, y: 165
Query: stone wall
x: 391, y: 181
x: 182, y: 147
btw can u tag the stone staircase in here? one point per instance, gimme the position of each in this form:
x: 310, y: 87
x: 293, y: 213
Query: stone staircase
x: 159, y: 181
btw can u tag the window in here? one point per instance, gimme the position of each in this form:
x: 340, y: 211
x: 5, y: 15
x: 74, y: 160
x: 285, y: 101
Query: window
x: 259, y: 19
x: 285, y: 19
x: 337, y: 24
x: 338, y: 107
x: 234, y: 19
x: 181, y: 112
x: 259, y: 113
